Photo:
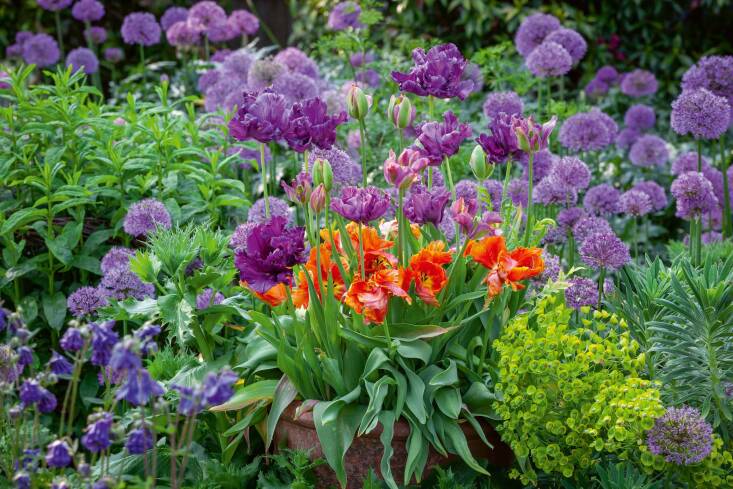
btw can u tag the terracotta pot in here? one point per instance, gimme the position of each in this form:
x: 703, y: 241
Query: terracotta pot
x: 366, y: 451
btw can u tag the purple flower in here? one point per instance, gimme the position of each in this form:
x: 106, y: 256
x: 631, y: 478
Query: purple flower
x: 640, y: 117
x: 104, y: 338
x: 208, y: 297
x: 218, y: 389
x: 30, y: 392
x: 627, y: 137
x: 245, y: 22
x: 263, y: 117
x: 506, y: 102
x: 140, y: 28
x: 173, y: 15
x: 85, y: 301
x: 40, y: 50
x: 146, y: 336
x: 502, y: 144
x: 22, y: 480
x: 533, y: 30
x: 87, y: 10
x: 122, y: 283
x: 125, y: 356
x: 607, y: 74
x: 113, y: 55
x: 639, y: 83
x: 145, y: 216
x: 438, y: 73
x: 403, y: 171
x: 72, y: 340
x: 695, y: 195
x: 531, y: 136
x: 582, y: 292
x: 549, y: 59
x: 205, y: 14
x: 541, y: 167
x: 571, y: 40
x: 602, y: 199
x: 116, y: 257
x: 25, y: 356
x: 714, y: 73
x: 472, y: 73
x: 369, y: 77
x: 139, y: 388
x: 518, y: 190
x: 139, y: 441
x: 552, y: 268
x: 58, y: 454
x: 649, y: 150
x: 700, y: 113
x: 269, y: 254
x: 98, y: 433
x: 222, y: 32
x: 494, y: 188
x: 567, y: 218
x: 263, y: 73
x: 596, y: 88
x: 296, y: 61
x: 182, y: 33
x: 361, y: 58
x: 585, y: 131
x: 82, y: 59
x: 59, y: 365
x: 425, y: 205
x: 604, y: 251
x: 345, y: 15
x: 551, y: 191
x: 688, y: 162
x: 54, y: 5
x: 588, y: 226
x: 95, y: 34
x: 571, y: 172
x: 438, y: 141
x: 361, y: 205
x: 681, y: 436
x: 635, y: 203
x: 655, y: 192
x: 309, y: 124
x: 278, y: 208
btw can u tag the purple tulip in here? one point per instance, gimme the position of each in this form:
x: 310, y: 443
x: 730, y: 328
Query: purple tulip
x: 439, y: 140
x: 361, y: 205
x: 438, y: 73
x: 263, y: 117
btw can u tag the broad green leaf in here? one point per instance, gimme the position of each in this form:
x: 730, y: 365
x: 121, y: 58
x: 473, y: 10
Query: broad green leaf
x: 336, y: 436
x: 285, y: 393
x: 54, y: 308
x: 249, y: 394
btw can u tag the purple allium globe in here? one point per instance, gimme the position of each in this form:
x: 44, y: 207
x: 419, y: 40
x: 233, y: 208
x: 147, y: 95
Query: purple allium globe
x: 472, y: 73
x: 238, y: 64
x: 245, y: 21
x: 87, y: 10
x: 571, y: 172
x: 639, y: 83
x: 681, y: 436
x: 297, y: 61
x: 588, y: 226
x: 440, y: 140
x: 596, y: 88
x: 607, y: 121
x: 648, y: 151
x: 518, y: 191
x: 40, y: 50
x: 571, y: 40
x: 640, y: 117
x: 607, y: 74
x: 116, y: 257
x: 582, y: 292
x: 345, y: 171
x: 54, y: 5
x: 225, y: 31
x: 585, y: 131
x: 506, y: 102
x: 263, y: 73
x: 542, y: 165
x: 552, y: 268
x: 95, y: 34
x: 85, y: 301
x: 550, y: 191
x: 694, y: 194
x: 121, y: 283
x: 567, y: 218
x: 714, y: 73
x: 604, y: 251
x: 627, y: 137
x: 295, y: 87
x: 688, y: 162
x: 345, y: 15
x: 635, y: 203
x: 533, y: 30
x: 655, y: 192
x: 83, y: 59
x: 141, y: 28
x: 602, y: 199
x: 145, y: 217
x: 173, y: 15
x: 203, y: 15
x: 700, y: 113
x: 113, y: 55
x: 549, y: 59
x: 278, y: 208
x: 182, y: 34
x: 439, y: 73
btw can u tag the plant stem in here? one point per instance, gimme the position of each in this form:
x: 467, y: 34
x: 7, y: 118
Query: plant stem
x: 601, y: 281
x: 264, y: 179
x: 142, y: 63
x: 59, y: 35
x: 363, y: 150
x: 530, y: 207
x: 361, y: 252
x: 727, y: 223
x: 401, y: 241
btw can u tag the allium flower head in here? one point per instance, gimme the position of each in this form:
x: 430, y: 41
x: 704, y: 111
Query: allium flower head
x: 222, y: 32
x: 571, y: 40
x: 607, y: 121
x: 604, y: 251
x: 121, y: 283
x: 627, y: 137
x: 95, y: 34
x: 54, y: 5
x: 182, y: 33
x: 701, y: 114
x: 439, y: 140
x: 518, y: 191
x: 655, y: 192
x: 116, y: 257
x: 310, y: 125
x: 596, y: 88
x: 694, y: 194
x: 533, y: 30
x: 688, y: 162
x: 607, y: 74
x: 571, y: 172
x: 425, y: 205
x: 640, y: 117
x: 204, y: 14
x: 83, y: 59
x: 714, y: 73
x: 361, y: 205
x: 173, y: 15
x: 40, y: 50
x: 245, y: 21
x: 585, y: 131
x: 237, y: 64
x: 649, y: 150
x: 296, y: 61
x: 113, y: 55
x: 263, y: 73
x: 541, y: 166
x: 582, y: 292
x: 87, y: 10
x: 140, y: 28
x: 85, y: 301
x: 439, y: 73
x: 278, y: 208
x: 602, y: 199
x: 208, y: 297
x: 58, y: 454
x: 567, y: 218
x: 681, y: 436
x: 549, y: 191
x: 549, y: 59
x: 98, y: 433
x: 639, y: 83
x: 145, y: 217
x: 635, y: 203
x: 345, y: 15
x: 263, y: 117
x: 498, y: 102
x: 588, y: 226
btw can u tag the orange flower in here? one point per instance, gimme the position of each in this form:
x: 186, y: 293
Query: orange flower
x: 301, y: 293
x: 521, y: 264
x: 274, y: 297
x: 505, y: 267
x: 376, y: 256
x: 427, y: 272
x: 486, y: 251
x: 370, y: 297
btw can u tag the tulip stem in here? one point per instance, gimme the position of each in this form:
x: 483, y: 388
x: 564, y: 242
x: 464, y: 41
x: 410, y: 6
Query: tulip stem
x: 530, y: 167
x: 401, y: 241
x: 263, y: 172
x: 363, y: 148
x: 361, y: 252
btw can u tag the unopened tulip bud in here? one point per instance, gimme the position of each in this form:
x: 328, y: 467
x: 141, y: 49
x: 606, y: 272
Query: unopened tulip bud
x: 401, y: 111
x: 322, y: 173
x: 522, y: 139
x: 318, y: 199
x: 478, y: 165
x: 357, y: 102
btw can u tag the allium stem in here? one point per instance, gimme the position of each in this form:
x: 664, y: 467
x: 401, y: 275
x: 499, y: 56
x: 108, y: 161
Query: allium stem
x: 727, y: 224
x: 530, y: 207
x: 59, y: 35
x: 264, y: 179
x: 601, y: 281
x: 571, y: 249
x: 142, y: 62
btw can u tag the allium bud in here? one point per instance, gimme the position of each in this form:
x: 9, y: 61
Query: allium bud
x: 401, y: 111
x: 357, y: 102
x: 478, y: 165
x: 322, y: 173
x: 318, y: 199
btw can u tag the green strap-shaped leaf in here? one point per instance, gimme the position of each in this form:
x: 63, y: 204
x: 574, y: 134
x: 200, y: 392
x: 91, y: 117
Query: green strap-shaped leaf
x: 285, y: 393
x: 387, y: 419
x: 337, y: 435
x: 249, y: 394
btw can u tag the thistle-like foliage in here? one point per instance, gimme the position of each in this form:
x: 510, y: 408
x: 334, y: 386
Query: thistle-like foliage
x: 694, y: 339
